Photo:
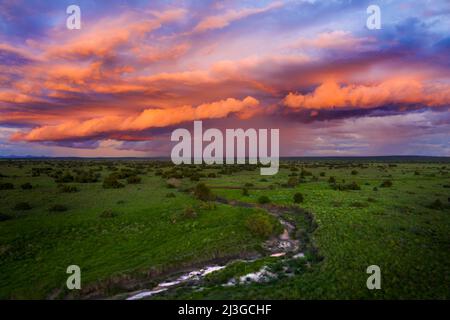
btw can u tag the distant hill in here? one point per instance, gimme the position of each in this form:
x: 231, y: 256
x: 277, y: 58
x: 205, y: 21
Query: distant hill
x: 394, y: 158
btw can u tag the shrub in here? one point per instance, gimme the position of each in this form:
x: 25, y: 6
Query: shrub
x: 58, y: 208
x: 245, y: 192
x: 375, y: 189
x: 111, y: 182
x: 298, y: 197
x: 4, y: 217
x: 170, y: 195
x: 189, y: 213
x: 322, y: 174
x: 86, y: 176
x: 26, y: 186
x: 108, y: 214
x: 436, y: 205
x: 260, y: 224
x: 354, y: 172
x: 305, y: 173
x: 207, y: 206
x: 195, y: 177
x: 332, y: 180
x: 6, y: 186
x: 202, y: 192
x: 353, y: 186
x: 67, y: 177
x: 263, y: 199
x: 22, y: 206
x: 345, y: 187
x: 134, y: 180
x: 248, y: 184
x: 173, y: 183
x: 292, y: 182
x: 386, y: 184
x: 68, y: 188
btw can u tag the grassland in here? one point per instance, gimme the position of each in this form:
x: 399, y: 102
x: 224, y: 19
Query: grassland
x: 129, y: 223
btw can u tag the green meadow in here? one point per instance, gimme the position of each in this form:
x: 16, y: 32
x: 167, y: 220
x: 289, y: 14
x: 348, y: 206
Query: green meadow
x: 129, y: 224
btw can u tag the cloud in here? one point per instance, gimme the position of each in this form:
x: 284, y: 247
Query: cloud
x: 149, y: 118
x: 223, y: 20
x: 394, y: 91
x: 337, y: 39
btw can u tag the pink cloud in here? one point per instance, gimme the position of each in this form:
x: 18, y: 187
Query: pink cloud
x: 393, y: 91
x: 149, y: 118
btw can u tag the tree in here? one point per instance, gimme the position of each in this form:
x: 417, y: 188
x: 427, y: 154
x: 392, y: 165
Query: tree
x: 202, y: 192
x: 298, y: 197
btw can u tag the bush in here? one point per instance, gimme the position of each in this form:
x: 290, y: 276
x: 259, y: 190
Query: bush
x: 298, y: 197
x: 345, y: 187
x: 134, y: 180
x: 189, y: 213
x: 353, y: 186
x: 386, y: 184
x: 292, y: 182
x: 170, y: 195
x: 58, y: 208
x: 22, y: 206
x: 67, y: 177
x: 4, y: 217
x: 332, y: 180
x: 195, y: 177
x: 202, y: 192
x: 245, y: 192
x: 86, y: 176
x: 173, y: 183
x: 6, y: 186
x: 68, y: 188
x: 26, y: 186
x: 263, y: 199
x: 108, y: 214
x: 354, y: 172
x: 111, y: 182
x: 436, y: 205
x: 207, y: 206
x: 260, y: 224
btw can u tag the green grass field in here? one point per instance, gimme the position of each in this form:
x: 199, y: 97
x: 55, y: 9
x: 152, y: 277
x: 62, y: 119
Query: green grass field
x: 137, y: 231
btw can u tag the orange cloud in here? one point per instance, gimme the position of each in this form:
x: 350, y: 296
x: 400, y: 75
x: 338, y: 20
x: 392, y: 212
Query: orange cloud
x: 394, y: 91
x: 149, y: 118
x: 225, y: 19
x: 102, y: 38
x: 337, y: 39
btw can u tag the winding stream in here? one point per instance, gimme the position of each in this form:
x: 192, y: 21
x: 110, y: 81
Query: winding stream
x: 276, y: 247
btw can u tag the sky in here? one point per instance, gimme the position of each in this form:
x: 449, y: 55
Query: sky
x: 137, y: 70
